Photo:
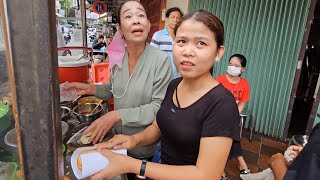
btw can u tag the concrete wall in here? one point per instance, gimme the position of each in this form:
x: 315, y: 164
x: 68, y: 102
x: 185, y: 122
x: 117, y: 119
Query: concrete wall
x: 182, y: 4
x: 153, y: 10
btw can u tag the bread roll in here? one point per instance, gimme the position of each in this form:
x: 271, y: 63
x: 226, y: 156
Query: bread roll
x: 79, y: 161
x: 85, y: 138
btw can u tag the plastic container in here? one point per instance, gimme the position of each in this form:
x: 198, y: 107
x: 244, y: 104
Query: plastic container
x: 4, y: 117
x: 8, y: 171
x: 100, y: 73
x: 73, y: 70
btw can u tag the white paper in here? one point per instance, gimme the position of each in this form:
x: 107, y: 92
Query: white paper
x: 91, y: 163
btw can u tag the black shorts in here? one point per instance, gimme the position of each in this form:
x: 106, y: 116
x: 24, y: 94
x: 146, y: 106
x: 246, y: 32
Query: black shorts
x: 235, y: 150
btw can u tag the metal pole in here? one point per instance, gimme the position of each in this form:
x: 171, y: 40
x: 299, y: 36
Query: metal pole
x: 84, y: 23
x: 31, y: 43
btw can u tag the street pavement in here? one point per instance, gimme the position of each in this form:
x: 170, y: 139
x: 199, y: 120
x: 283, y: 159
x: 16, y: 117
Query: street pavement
x: 76, y: 40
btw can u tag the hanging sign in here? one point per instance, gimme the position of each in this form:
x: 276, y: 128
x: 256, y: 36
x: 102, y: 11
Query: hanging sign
x: 99, y: 7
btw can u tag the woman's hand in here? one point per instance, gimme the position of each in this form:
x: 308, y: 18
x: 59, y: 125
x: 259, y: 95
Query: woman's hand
x: 118, y: 164
x: 119, y: 141
x: 81, y: 88
x: 101, y: 126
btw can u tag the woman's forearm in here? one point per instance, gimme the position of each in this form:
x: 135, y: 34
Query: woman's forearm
x: 149, y: 136
x: 103, y: 91
x: 209, y: 166
x: 158, y: 171
x: 241, y: 106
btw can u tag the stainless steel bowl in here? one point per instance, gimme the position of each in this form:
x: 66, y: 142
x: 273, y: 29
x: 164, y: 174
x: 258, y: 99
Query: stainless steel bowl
x: 88, y: 99
x: 83, y: 112
x: 65, y: 113
x: 11, y: 138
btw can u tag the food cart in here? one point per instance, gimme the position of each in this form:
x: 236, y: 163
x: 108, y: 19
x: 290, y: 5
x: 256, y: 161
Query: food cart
x: 30, y: 41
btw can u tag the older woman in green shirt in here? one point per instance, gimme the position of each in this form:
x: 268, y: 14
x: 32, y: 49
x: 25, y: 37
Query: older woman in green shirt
x: 138, y: 87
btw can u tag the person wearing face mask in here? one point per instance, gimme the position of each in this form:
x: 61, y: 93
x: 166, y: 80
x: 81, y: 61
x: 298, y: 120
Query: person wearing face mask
x: 164, y: 38
x: 240, y: 89
x: 233, y: 81
x: 140, y: 75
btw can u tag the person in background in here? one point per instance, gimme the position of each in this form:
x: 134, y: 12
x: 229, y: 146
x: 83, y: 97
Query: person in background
x: 163, y: 39
x: 109, y: 39
x: 138, y: 83
x: 240, y: 89
x: 99, y: 43
x: 195, y: 131
x: 306, y: 161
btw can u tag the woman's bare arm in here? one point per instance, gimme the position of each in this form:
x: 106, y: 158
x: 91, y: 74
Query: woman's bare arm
x: 211, y: 161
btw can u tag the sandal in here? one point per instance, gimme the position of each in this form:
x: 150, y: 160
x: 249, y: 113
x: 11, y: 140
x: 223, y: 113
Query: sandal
x: 245, y: 171
x: 225, y: 177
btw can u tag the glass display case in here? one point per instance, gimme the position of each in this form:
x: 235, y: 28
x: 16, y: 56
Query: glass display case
x: 34, y: 128
x: 9, y: 158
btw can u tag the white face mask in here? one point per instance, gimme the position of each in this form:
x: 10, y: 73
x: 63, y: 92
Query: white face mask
x: 234, y: 71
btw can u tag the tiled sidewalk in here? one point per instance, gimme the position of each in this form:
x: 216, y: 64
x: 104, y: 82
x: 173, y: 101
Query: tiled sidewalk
x: 256, y: 153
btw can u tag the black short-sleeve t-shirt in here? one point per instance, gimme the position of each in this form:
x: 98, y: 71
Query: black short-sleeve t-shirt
x: 214, y: 114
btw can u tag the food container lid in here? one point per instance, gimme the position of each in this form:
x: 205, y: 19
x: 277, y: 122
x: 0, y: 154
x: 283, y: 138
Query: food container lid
x: 72, y: 61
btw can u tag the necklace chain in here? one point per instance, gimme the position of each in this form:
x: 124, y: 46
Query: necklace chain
x: 125, y: 90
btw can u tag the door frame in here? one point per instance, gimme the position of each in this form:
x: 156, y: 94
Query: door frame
x: 298, y: 70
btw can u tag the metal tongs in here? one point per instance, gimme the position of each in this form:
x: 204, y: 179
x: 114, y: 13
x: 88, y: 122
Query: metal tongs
x: 77, y: 135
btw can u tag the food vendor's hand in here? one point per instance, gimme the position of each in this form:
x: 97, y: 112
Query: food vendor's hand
x: 119, y: 141
x: 118, y: 164
x: 102, y: 125
x: 81, y: 88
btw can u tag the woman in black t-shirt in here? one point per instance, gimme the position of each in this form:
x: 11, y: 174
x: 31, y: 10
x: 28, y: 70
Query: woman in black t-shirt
x: 198, y: 118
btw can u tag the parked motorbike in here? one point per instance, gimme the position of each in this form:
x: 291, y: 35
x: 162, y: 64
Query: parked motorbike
x: 92, y: 37
x: 67, y: 38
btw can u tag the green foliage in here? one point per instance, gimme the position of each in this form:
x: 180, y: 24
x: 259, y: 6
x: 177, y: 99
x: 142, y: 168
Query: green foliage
x: 66, y: 5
